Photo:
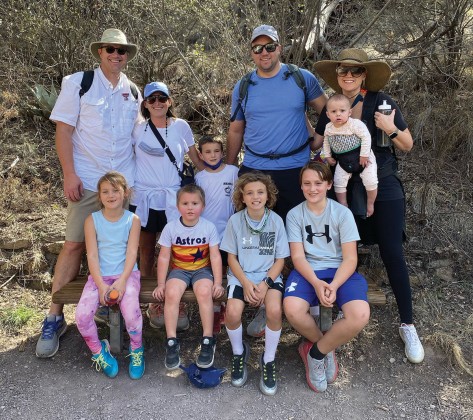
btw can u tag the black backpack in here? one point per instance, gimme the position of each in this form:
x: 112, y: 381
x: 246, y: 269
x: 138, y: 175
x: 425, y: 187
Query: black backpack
x: 245, y: 81
x: 88, y: 78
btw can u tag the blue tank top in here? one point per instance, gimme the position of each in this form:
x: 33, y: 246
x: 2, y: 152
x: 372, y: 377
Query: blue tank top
x: 112, y: 240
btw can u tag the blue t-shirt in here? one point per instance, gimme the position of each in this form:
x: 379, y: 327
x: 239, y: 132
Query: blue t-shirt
x: 112, y: 242
x: 322, y: 235
x: 274, y: 115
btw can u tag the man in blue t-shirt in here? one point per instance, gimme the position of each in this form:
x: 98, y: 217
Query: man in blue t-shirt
x: 272, y: 119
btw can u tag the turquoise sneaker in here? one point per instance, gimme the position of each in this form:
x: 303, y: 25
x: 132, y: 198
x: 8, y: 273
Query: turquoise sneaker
x: 105, y: 361
x: 137, y: 363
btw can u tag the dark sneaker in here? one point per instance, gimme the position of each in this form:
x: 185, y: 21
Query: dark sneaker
x: 172, y: 360
x: 48, y: 343
x: 136, y: 369
x: 239, y: 368
x: 102, y: 315
x: 256, y: 328
x: 207, y: 352
x: 314, y: 369
x: 331, y: 367
x: 268, y: 384
x: 105, y: 362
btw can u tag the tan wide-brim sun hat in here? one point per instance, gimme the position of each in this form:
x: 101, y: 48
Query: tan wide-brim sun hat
x: 113, y: 36
x: 377, y: 72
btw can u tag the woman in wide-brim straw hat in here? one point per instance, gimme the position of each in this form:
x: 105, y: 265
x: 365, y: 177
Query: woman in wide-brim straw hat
x: 361, y: 80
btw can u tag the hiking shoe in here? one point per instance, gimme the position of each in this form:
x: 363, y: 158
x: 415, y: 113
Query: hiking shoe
x: 331, y: 367
x: 413, y: 347
x: 104, y: 361
x: 314, y: 369
x: 207, y: 352
x: 101, y: 315
x: 267, y: 384
x: 155, y: 314
x: 172, y: 360
x: 48, y: 343
x: 257, y: 326
x: 239, y: 368
x: 136, y: 369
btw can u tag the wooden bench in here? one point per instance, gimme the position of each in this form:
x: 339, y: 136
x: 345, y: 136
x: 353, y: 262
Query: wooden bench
x: 71, y: 293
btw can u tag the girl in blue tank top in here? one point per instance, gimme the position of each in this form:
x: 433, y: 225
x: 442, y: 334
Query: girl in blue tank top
x: 111, y: 238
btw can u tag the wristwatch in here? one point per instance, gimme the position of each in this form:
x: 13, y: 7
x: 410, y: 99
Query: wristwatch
x: 269, y: 282
x: 394, y: 134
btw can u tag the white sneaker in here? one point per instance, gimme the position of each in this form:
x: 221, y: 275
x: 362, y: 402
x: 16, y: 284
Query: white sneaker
x: 413, y: 347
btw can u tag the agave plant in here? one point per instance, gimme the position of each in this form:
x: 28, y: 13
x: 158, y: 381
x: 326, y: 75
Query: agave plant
x: 44, y: 100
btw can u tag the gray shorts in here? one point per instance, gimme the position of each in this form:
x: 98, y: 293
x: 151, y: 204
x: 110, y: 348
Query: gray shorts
x: 191, y: 277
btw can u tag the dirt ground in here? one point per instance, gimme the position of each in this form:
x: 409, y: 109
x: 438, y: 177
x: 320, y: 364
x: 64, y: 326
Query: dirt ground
x: 375, y: 381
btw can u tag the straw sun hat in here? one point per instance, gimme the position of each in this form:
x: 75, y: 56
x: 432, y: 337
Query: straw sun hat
x: 377, y: 72
x: 113, y: 36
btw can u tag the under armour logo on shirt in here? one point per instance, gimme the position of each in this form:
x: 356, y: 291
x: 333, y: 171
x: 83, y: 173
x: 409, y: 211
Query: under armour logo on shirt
x: 311, y: 235
x: 245, y: 240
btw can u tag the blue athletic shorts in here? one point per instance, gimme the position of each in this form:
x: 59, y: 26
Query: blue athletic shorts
x: 355, y: 288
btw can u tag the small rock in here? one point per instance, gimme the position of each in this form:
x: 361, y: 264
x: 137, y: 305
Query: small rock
x: 54, y: 247
x: 361, y: 358
x: 392, y: 360
x: 15, y: 244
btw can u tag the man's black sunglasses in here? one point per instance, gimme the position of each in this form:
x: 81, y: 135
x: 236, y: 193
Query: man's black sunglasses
x: 271, y: 47
x: 111, y: 50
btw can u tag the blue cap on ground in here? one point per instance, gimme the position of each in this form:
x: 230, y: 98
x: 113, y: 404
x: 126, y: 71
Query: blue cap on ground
x: 203, y: 378
x: 152, y: 87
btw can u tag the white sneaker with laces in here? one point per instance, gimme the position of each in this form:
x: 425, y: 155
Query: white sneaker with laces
x: 413, y: 347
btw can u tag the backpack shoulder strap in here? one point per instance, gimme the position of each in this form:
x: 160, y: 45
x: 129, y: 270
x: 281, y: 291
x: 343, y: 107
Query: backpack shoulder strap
x: 86, y: 82
x: 245, y: 81
x: 295, y: 72
x: 134, y: 89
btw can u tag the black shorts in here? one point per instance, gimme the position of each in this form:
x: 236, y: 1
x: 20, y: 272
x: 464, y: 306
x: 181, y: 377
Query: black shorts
x: 236, y: 292
x: 156, y: 220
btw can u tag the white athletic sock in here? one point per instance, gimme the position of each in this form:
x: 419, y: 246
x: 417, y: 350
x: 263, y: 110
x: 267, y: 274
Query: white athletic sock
x: 271, y: 342
x: 236, y: 339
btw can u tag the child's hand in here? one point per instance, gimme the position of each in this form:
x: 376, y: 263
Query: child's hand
x: 120, y: 286
x: 331, y: 161
x: 324, y: 293
x: 249, y: 293
x: 158, y: 292
x: 102, y: 292
x: 217, y: 291
x: 261, y: 291
x: 364, y: 161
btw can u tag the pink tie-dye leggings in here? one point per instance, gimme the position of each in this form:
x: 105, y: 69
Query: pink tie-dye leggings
x: 129, y: 307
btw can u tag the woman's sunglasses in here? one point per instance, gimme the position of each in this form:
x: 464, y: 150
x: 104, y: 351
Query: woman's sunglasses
x: 111, y: 50
x: 355, y: 71
x: 271, y: 47
x: 161, y: 98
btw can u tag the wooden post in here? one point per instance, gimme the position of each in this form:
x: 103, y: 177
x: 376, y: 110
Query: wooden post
x: 116, y: 329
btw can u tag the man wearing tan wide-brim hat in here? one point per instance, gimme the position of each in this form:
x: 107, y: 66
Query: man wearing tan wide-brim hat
x: 94, y: 114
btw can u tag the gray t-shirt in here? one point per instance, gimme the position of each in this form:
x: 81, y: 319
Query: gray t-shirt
x: 322, y: 236
x: 256, y: 252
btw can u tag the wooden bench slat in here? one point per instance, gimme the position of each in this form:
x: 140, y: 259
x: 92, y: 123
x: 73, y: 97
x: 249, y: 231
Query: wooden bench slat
x: 72, y: 292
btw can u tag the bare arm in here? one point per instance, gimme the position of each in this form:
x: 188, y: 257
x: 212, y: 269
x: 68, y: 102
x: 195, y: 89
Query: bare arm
x: 194, y: 156
x: 235, y: 141
x: 131, y: 254
x: 93, y: 257
x: 162, y: 271
x: 216, y: 264
x: 304, y: 268
x: 318, y: 103
x: 403, y: 141
x: 73, y: 188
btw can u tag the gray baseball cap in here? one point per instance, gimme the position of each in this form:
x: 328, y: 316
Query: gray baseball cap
x: 265, y: 30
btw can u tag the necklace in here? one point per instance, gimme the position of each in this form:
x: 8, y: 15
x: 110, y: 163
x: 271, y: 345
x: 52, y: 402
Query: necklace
x: 166, y: 131
x: 261, y: 224
x: 351, y: 97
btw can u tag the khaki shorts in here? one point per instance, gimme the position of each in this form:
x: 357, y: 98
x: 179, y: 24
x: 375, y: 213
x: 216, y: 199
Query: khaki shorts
x: 77, y: 212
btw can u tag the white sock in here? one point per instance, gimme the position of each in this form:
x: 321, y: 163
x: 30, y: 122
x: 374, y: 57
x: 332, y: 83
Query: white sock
x: 236, y: 339
x: 271, y: 342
